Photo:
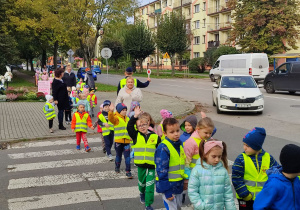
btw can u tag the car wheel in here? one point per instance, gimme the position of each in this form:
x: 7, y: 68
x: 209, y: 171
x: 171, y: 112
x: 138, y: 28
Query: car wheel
x: 214, y: 104
x: 292, y: 92
x: 212, y: 78
x: 218, y: 109
x: 260, y: 112
x: 270, y: 87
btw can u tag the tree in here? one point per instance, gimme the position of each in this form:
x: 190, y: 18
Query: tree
x: 115, y: 46
x: 208, y: 56
x: 223, y: 50
x: 172, y: 36
x: 265, y: 26
x: 139, y: 42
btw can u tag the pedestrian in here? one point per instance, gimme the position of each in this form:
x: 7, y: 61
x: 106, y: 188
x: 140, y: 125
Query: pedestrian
x: 81, y: 84
x: 188, y: 126
x: 129, y: 93
x: 68, y: 111
x: 137, y: 83
x: 92, y: 98
x: 69, y: 77
x: 89, y: 79
x: 164, y: 114
x: 249, y: 168
x: 82, y: 99
x: 78, y: 87
x: 60, y: 96
x: 122, y: 140
x: 282, y: 190
x: 80, y: 122
x: 169, y: 160
x: 99, y: 129
x: 209, y: 185
x: 75, y: 100
x: 145, y: 143
x: 107, y: 129
x: 49, y: 111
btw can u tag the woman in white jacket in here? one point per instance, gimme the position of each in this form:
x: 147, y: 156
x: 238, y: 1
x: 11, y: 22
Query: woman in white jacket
x: 129, y: 93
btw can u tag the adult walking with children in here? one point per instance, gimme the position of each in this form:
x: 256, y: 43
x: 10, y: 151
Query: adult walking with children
x: 69, y: 77
x: 60, y: 95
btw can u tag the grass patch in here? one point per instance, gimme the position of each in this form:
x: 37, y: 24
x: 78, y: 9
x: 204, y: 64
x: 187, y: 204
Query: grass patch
x: 30, y: 73
x: 106, y: 88
x: 18, y: 81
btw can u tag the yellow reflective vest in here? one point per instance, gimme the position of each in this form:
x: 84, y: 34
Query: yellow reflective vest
x: 144, y: 152
x: 105, y: 131
x: 255, y: 178
x: 163, y: 137
x: 121, y: 134
x: 89, y: 99
x: 196, y: 156
x: 82, y: 85
x: 176, y: 164
x: 49, y: 114
x: 123, y: 82
x: 81, y: 124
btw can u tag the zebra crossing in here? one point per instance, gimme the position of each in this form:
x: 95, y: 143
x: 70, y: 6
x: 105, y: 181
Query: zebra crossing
x: 52, y: 174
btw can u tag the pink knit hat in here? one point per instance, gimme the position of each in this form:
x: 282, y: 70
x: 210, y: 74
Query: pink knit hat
x: 165, y: 114
x: 210, y: 144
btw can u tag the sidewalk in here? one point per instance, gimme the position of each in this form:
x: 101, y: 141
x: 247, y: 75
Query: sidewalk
x: 26, y: 120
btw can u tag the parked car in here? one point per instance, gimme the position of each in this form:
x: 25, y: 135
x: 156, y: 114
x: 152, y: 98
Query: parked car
x: 96, y: 69
x: 286, y: 77
x: 237, y: 93
x: 81, y: 73
x: 255, y: 64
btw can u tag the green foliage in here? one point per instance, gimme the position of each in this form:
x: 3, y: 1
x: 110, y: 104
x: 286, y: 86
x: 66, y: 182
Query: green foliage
x: 106, y: 88
x: 115, y: 46
x: 265, y: 26
x: 8, y: 51
x: 197, y: 65
x: 139, y: 42
x: 223, y: 50
x: 31, y: 96
x: 208, y: 56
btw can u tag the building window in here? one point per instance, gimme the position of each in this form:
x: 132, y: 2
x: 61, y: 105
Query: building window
x: 196, y: 39
x: 204, y: 20
x: 197, y: 7
x: 229, y: 18
x: 197, y: 24
x: 203, y: 39
x: 204, y: 6
x: 196, y: 54
x: 143, y: 11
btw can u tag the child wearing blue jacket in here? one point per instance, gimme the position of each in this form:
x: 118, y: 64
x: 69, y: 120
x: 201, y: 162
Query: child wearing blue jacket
x: 169, y: 160
x: 282, y: 190
x: 209, y: 185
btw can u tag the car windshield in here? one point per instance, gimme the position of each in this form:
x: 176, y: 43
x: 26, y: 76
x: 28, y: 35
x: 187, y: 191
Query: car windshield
x: 238, y: 82
x: 95, y: 66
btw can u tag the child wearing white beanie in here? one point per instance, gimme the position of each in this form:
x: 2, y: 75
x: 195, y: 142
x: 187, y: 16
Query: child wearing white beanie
x: 49, y: 111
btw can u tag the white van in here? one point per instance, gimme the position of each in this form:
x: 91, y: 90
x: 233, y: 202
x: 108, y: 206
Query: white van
x: 255, y: 64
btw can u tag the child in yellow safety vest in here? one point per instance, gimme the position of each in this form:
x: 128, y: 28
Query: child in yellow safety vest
x: 121, y: 137
x: 145, y: 143
x: 92, y: 98
x: 49, y: 111
x: 249, y: 168
x: 169, y: 159
x: 164, y: 114
x: 80, y: 123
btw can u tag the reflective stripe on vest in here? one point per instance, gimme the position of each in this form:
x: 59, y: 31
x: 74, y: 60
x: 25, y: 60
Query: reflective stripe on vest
x: 144, y: 152
x: 163, y: 135
x: 123, y: 82
x: 81, y: 124
x: 254, y: 179
x: 81, y: 86
x: 176, y: 164
x: 106, y: 131
x: 196, y: 156
x: 89, y: 99
x: 49, y: 114
x: 121, y: 129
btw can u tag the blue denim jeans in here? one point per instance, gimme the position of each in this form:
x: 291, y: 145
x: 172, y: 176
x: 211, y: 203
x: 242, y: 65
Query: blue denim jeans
x: 125, y: 149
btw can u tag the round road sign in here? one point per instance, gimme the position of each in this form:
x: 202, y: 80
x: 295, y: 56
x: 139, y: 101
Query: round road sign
x: 106, y: 53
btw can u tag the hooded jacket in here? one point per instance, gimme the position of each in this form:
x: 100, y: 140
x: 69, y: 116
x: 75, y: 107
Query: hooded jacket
x: 210, y: 188
x: 279, y: 192
x: 90, y: 80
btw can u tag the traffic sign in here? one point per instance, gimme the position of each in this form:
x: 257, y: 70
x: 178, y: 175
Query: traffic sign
x: 148, y: 72
x: 166, y: 55
x: 70, y: 52
x: 106, y: 53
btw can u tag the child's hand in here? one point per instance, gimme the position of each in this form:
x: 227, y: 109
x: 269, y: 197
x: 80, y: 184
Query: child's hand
x: 73, y: 130
x: 203, y: 115
x: 112, y: 107
x: 92, y: 128
x: 172, y: 198
x: 137, y: 111
x: 106, y: 125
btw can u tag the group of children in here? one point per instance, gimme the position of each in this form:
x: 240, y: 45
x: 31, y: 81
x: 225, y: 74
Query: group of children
x: 192, y: 163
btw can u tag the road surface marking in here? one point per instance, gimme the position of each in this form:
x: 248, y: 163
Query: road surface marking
x: 53, y: 180
x: 50, y: 143
x: 185, y: 87
x: 56, y: 164
x: 292, y: 99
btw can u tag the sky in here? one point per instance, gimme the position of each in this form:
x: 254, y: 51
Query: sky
x: 141, y: 3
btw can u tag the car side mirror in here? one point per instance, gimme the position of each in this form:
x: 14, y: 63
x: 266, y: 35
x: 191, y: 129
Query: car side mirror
x: 215, y: 85
x: 260, y: 86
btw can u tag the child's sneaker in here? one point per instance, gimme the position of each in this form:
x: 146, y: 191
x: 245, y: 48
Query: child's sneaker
x: 129, y: 176
x: 148, y: 208
x: 51, y: 131
x: 87, y: 149
x: 110, y: 157
x: 78, y: 147
x: 104, y: 150
x: 117, y: 170
x: 142, y: 198
x: 183, y: 198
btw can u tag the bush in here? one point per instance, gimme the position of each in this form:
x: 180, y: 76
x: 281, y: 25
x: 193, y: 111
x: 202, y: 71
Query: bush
x: 2, y: 97
x: 31, y: 96
x: 40, y: 95
x: 197, y: 65
x: 11, y: 96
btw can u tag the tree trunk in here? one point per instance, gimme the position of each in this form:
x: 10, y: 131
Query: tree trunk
x: 44, y: 58
x: 55, y: 54
x: 157, y: 64
x: 86, y: 54
x: 31, y: 64
x: 141, y: 65
x: 27, y: 62
x: 173, y: 66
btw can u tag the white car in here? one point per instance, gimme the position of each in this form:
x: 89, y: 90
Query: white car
x: 237, y: 93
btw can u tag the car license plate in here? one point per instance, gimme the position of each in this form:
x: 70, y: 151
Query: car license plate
x: 243, y: 105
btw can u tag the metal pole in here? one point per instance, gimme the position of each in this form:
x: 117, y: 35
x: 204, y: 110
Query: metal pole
x: 106, y: 68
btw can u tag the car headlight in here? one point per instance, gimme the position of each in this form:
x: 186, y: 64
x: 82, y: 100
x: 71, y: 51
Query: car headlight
x: 259, y: 97
x: 223, y: 97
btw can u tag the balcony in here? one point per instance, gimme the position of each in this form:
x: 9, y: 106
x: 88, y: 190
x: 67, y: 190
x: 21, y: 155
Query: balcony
x: 157, y: 11
x: 217, y: 9
x: 187, y: 16
x: 218, y: 27
x: 177, y: 3
x: 213, y: 44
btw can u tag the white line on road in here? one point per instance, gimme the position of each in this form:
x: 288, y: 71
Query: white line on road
x: 50, y: 143
x: 56, y: 164
x: 292, y: 99
x: 54, y: 180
